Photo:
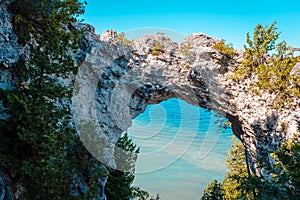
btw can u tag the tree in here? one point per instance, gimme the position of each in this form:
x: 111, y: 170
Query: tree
x: 271, y: 63
x: 237, y: 172
x: 239, y: 184
x: 45, y: 149
x: 158, y: 48
x: 119, y: 183
x: 286, y: 168
x: 256, y: 53
x: 213, y: 191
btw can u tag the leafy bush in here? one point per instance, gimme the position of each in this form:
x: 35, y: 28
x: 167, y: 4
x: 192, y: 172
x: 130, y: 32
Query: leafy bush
x: 227, y: 53
x: 158, y: 48
x: 286, y: 169
x: 185, y: 50
x: 225, y: 49
x: 237, y: 171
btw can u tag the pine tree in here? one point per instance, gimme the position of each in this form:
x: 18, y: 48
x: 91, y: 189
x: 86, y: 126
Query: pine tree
x: 286, y: 169
x: 271, y: 64
x: 40, y: 133
x: 214, y: 191
x: 237, y: 172
x: 119, y: 183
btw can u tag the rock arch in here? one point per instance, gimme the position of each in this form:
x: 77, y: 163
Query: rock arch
x: 200, y: 79
x: 117, y: 81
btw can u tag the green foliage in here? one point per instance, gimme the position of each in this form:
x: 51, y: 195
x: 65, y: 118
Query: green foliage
x: 121, y: 37
x: 118, y: 186
x: 185, y: 66
x: 213, y: 191
x: 227, y: 53
x: 225, y: 49
x: 286, y: 169
x: 240, y: 184
x: 237, y: 171
x: 185, y: 50
x: 43, y: 19
x: 271, y: 63
x: 39, y: 141
x: 256, y: 53
x: 158, y: 48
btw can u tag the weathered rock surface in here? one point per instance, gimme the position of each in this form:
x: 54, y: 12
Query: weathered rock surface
x: 117, y: 81
x: 9, y: 53
x: 5, y: 193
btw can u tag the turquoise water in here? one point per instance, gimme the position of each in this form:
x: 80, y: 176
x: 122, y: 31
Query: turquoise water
x: 182, y: 149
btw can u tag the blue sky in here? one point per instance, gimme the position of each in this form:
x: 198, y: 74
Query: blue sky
x: 226, y: 19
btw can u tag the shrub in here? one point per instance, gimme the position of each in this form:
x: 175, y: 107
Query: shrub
x: 225, y: 49
x: 158, y: 48
x: 121, y: 37
x: 271, y: 63
x: 227, y: 53
x: 185, y: 50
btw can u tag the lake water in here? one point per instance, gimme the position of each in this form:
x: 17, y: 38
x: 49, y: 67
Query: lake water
x: 182, y: 149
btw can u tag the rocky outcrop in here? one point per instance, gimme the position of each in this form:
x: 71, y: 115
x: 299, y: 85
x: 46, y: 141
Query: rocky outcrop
x: 118, y: 79
x: 9, y: 53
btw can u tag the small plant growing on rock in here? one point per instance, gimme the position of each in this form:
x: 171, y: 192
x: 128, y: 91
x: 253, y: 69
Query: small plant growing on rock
x: 227, y: 52
x: 185, y: 66
x: 158, y: 48
x: 225, y: 49
x: 284, y: 125
x: 185, y: 50
x: 121, y: 37
x: 160, y: 33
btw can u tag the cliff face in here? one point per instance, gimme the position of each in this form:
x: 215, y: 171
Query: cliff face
x: 117, y: 80
x: 9, y: 52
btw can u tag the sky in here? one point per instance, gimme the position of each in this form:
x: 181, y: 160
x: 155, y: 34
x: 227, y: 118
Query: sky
x: 226, y: 19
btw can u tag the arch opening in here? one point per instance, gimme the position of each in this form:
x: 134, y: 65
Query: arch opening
x: 183, y: 148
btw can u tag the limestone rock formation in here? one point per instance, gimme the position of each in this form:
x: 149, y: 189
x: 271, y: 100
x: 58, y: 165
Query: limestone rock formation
x: 118, y: 79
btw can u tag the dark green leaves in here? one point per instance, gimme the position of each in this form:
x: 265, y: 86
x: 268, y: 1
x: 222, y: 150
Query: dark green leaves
x: 40, y: 115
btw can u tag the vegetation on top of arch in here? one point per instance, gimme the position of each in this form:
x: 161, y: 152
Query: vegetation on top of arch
x: 269, y: 62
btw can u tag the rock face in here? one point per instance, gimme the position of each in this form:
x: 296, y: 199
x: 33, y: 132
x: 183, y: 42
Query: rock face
x: 9, y: 52
x: 5, y: 193
x: 119, y: 78
x: 117, y: 81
